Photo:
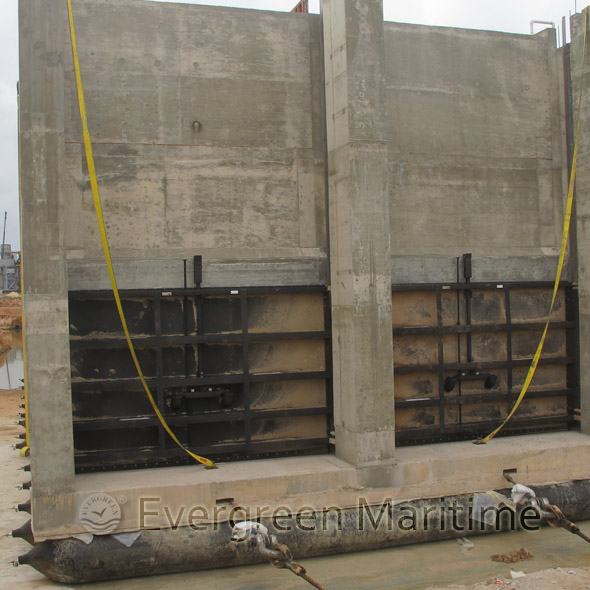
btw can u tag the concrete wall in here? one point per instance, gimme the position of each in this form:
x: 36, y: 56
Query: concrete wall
x: 475, y: 131
x: 476, y: 151
x: 580, y: 93
x: 248, y: 188
x: 45, y: 288
x: 359, y: 232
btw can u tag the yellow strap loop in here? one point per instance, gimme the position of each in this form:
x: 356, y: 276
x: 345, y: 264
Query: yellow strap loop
x: 105, y: 243
x: 562, y: 251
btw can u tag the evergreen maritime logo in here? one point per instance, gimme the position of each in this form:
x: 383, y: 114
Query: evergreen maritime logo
x: 100, y: 514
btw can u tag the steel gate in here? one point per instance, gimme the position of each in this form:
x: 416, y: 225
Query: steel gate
x: 462, y: 352
x: 238, y: 373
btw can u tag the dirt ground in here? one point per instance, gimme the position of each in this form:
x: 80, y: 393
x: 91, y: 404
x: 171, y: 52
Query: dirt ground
x: 428, y: 566
x: 554, y: 579
x: 10, y: 311
x: 10, y: 399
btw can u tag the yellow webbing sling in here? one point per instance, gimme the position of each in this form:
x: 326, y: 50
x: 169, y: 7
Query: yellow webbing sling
x: 105, y: 243
x: 562, y: 251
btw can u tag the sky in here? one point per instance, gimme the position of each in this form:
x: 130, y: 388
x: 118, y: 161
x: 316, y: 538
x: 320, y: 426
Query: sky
x: 511, y: 16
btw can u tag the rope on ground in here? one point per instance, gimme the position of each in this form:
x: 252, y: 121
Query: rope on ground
x: 286, y: 562
x: 559, y: 520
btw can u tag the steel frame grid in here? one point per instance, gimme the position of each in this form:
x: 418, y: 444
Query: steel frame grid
x: 449, y: 432
x: 166, y: 453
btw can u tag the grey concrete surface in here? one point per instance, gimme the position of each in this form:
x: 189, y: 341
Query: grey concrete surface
x: 475, y: 155
x: 45, y: 287
x: 153, y: 273
x: 247, y: 184
x: 359, y: 234
x: 580, y: 66
x: 476, y: 148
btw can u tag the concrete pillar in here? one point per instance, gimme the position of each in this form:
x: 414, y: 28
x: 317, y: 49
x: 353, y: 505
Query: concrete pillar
x: 359, y: 230
x: 42, y: 44
x: 582, y: 203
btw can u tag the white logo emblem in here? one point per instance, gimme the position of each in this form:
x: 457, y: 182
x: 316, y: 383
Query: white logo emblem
x: 100, y: 514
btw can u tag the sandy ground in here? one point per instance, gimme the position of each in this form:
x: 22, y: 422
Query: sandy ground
x: 560, y: 559
x: 10, y: 311
x: 572, y: 579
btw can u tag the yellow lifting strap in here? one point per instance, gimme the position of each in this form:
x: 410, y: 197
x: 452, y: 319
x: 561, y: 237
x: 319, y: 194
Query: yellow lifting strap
x: 562, y: 251
x: 105, y: 243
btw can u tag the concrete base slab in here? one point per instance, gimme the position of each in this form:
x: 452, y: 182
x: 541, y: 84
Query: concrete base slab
x: 163, y: 498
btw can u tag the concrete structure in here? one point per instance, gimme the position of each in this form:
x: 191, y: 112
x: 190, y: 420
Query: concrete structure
x: 257, y: 151
x: 9, y: 269
x: 476, y: 131
x: 45, y: 278
x: 579, y: 85
x: 291, y: 149
x: 359, y: 237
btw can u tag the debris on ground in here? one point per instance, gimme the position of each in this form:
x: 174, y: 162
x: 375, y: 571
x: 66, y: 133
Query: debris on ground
x: 521, y: 554
x: 549, y: 579
x: 466, y: 545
